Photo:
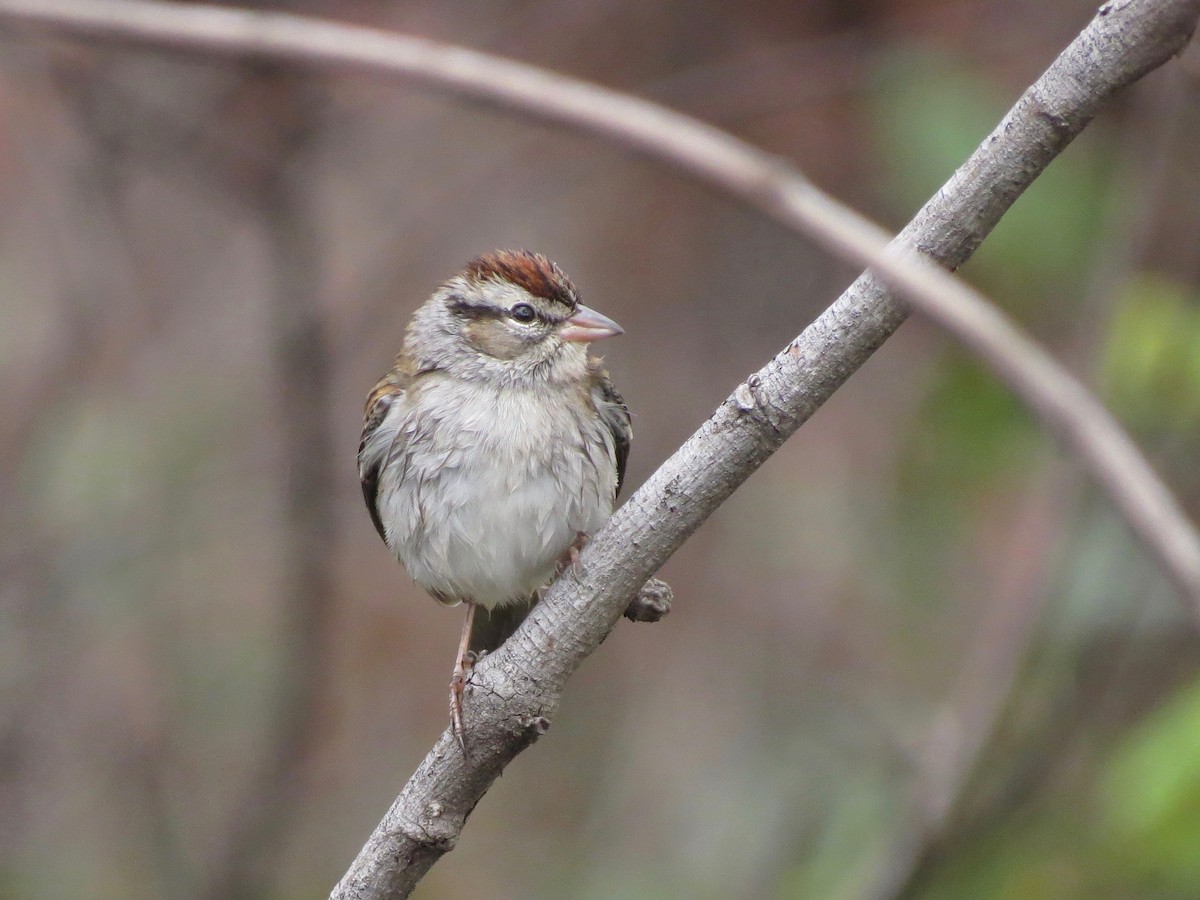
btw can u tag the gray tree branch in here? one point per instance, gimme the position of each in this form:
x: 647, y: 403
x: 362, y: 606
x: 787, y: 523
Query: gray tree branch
x: 516, y: 691
x: 1126, y: 39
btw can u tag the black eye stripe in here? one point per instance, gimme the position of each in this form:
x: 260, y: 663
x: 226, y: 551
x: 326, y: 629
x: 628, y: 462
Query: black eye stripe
x: 460, y: 307
x: 465, y: 310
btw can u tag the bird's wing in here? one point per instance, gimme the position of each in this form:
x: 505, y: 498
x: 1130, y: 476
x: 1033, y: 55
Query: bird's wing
x: 378, y: 443
x: 615, y: 415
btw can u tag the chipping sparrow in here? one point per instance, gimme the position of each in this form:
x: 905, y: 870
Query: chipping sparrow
x: 495, y: 444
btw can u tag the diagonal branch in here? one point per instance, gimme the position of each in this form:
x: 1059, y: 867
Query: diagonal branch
x: 516, y: 690
x: 1126, y: 39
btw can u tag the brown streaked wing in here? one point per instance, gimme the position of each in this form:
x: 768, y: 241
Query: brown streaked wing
x: 615, y: 414
x: 389, y: 389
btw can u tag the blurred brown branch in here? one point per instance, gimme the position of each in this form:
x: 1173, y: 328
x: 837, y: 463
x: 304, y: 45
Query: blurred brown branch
x: 274, y: 187
x: 1154, y: 32
x: 517, y: 688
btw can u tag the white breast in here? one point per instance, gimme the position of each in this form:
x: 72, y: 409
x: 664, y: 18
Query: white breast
x: 484, y: 491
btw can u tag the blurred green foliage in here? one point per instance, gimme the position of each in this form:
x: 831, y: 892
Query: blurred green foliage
x: 1151, y: 796
x: 1126, y: 822
x: 853, y: 831
x: 972, y: 433
x: 1152, y: 360
x: 931, y: 111
x: 1132, y: 832
x: 970, y: 438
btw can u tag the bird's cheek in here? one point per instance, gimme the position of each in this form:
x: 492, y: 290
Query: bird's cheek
x: 494, y: 339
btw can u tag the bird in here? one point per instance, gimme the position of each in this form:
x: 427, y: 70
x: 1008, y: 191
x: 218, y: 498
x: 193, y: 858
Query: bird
x: 495, y: 445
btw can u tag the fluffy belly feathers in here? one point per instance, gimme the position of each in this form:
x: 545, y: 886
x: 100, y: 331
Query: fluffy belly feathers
x: 490, y: 527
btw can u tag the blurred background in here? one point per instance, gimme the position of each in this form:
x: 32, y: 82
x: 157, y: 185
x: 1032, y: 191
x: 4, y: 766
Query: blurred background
x: 917, y: 655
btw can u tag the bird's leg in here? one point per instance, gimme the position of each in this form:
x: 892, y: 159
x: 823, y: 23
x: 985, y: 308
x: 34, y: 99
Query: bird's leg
x: 570, y: 557
x: 462, y: 667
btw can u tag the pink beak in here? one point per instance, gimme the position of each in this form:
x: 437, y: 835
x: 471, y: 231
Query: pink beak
x: 588, y: 325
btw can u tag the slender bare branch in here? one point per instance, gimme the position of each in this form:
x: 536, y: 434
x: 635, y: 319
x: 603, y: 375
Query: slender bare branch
x: 1145, y: 32
x: 516, y: 691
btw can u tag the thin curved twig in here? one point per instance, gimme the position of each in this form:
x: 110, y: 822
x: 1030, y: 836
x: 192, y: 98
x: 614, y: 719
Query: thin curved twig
x: 517, y: 690
x: 760, y: 179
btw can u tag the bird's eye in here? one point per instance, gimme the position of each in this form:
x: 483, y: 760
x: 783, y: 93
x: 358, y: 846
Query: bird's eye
x: 523, y: 312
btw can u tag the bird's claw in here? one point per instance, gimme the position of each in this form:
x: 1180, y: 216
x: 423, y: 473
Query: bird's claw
x: 570, y: 557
